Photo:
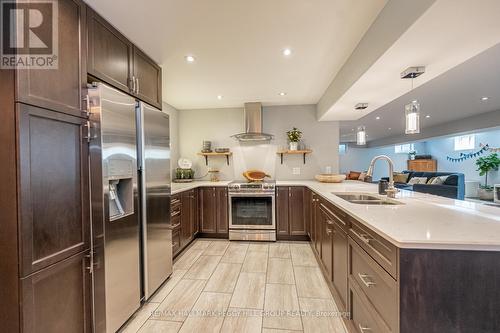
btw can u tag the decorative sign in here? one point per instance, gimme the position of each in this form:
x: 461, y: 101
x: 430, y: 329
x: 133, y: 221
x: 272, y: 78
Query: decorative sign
x: 463, y: 157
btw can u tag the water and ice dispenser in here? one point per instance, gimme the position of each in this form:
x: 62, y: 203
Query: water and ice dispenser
x: 121, y: 188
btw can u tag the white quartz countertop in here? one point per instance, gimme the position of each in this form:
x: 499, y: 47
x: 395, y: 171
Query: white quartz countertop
x: 422, y: 220
x: 181, y: 187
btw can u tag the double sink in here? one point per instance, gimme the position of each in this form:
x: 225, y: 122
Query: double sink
x: 366, y: 199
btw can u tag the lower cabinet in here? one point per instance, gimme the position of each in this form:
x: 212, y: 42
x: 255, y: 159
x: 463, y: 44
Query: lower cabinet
x: 214, y: 215
x: 340, y: 264
x: 184, y: 219
x: 58, y: 298
x: 291, y: 212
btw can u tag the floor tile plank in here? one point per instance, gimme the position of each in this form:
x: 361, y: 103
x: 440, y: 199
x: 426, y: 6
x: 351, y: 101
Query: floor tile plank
x: 249, y: 291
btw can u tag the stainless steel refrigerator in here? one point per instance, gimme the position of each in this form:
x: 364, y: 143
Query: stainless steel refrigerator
x: 130, y: 196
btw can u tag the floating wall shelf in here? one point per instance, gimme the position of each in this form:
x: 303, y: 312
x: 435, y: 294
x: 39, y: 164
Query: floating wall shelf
x: 303, y: 152
x: 206, y: 155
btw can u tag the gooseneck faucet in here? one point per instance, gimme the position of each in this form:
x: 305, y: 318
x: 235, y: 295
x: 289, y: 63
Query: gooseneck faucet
x: 391, y: 190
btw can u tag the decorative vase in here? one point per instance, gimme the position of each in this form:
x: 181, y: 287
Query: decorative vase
x: 294, y: 146
x: 486, y: 194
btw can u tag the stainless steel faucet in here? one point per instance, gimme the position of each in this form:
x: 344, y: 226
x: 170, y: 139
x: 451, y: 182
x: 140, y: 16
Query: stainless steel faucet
x: 391, y: 190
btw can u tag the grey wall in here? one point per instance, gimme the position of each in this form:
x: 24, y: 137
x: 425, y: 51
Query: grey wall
x: 217, y: 125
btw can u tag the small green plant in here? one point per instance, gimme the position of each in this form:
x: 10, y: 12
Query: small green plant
x: 487, y: 164
x: 294, y: 135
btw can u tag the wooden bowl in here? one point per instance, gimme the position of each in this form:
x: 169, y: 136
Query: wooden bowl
x: 255, y: 175
x: 330, y: 178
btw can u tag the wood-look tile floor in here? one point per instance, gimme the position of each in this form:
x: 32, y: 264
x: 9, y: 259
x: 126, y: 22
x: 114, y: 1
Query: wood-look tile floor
x: 222, y: 286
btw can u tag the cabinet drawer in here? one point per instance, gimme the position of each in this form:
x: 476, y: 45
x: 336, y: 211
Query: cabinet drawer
x: 335, y: 215
x: 363, y: 320
x: 176, y: 241
x: 175, y: 211
x: 175, y: 200
x: 377, y: 285
x: 176, y: 222
x: 378, y: 248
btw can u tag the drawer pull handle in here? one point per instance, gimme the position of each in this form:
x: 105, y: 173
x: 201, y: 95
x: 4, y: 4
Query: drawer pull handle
x: 363, y: 329
x: 329, y: 222
x: 176, y: 213
x: 367, y: 283
x: 176, y: 225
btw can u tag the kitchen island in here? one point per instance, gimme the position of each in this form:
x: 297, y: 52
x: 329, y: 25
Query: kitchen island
x: 426, y: 264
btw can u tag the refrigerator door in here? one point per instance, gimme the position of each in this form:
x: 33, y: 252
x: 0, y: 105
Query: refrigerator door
x: 115, y: 206
x: 154, y: 167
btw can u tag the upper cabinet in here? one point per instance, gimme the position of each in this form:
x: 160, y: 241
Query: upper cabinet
x: 61, y: 89
x: 110, y: 54
x: 113, y: 59
x: 147, y: 76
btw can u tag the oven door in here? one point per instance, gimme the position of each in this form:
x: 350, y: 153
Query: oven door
x: 251, y: 211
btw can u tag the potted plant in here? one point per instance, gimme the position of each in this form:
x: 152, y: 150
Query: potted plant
x: 294, y: 135
x: 484, y: 166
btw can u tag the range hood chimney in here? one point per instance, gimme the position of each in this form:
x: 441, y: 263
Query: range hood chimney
x: 253, y: 124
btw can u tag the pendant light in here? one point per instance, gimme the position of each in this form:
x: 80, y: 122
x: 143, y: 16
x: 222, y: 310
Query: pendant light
x: 412, y: 110
x: 412, y: 115
x: 361, y: 136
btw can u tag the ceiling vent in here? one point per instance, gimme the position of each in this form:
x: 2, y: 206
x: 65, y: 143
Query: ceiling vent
x: 361, y: 106
x: 412, y: 72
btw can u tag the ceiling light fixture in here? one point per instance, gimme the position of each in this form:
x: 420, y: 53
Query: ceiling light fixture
x: 485, y: 98
x: 412, y: 110
x: 377, y: 118
x: 190, y: 58
x: 428, y: 116
x: 361, y: 136
x: 282, y: 93
x: 219, y: 97
x: 360, y: 106
x: 287, y: 52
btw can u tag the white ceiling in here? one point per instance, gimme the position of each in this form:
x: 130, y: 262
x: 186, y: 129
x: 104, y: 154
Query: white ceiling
x: 238, y: 46
x: 447, y: 34
x: 454, y: 95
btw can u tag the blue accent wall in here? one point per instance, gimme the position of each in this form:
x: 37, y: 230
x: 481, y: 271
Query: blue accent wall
x: 358, y: 159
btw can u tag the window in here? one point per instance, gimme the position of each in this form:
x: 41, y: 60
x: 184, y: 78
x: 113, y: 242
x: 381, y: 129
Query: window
x: 465, y: 142
x: 404, y: 149
x: 342, y: 149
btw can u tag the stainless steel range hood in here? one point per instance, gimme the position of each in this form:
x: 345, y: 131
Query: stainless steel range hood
x: 253, y: 124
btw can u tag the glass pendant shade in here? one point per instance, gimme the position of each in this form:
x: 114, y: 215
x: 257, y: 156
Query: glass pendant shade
x: 361, y: 136
x: 412, y: 115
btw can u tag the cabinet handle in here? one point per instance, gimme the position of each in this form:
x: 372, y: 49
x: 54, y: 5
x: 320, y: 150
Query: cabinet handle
x: 176, y: 225
x: 176, y: 213
x: 133, y: 84
x: 328, y: 231
x: 329, y: 222
x: 363, y: 329
x: 367, y: 283
x: 137, y: 92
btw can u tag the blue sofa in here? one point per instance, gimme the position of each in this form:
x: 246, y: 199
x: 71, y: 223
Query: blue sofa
x: 453, y: 187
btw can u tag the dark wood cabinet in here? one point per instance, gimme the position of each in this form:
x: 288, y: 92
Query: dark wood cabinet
x: 53, y: 185
x: 110, y: 54
x: 186, y: 217
x: 61, y: 89
x: 208, y: 209
x: 115, y: 60
x: 290, y: 212
x: 326, y: 241
x: 340, y: 265
x: 148, y: 79
x: 58, y: 298
x: 196, y: 212
x: 222, y: 210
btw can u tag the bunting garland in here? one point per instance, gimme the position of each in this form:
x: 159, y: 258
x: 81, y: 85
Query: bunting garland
x: 493, y: 150
x: 463, y: 157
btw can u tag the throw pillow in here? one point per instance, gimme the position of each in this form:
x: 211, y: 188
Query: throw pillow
x: 452, y: 180
x: 400, y: 177
x: 353, y: 175
x: 437, y: 180
x: 417, y: 180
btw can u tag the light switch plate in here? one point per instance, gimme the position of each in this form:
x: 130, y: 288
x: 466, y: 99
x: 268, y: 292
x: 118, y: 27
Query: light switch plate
x: 296, y: 171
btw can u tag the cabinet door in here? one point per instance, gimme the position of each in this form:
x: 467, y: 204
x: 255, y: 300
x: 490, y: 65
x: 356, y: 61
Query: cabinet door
x: 318, y: 229
x: 307, y: 210
x: 312, y: 213
x: 296, y: 216
x: 186, y: 217
x: 340, y: 269
x: 326, y: 243
x: 222, y: 211
x: 282, y: 210
x: 208, y: 210
x: 109, y: 53
x: 57, y: 298
x: 195, y: 212
x: 148, y: 79
x: 61, y: 89
x: 54, y: 189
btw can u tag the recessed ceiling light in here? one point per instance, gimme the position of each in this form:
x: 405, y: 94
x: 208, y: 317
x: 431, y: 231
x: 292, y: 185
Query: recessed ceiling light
x: 484, y: 98
x: 219, y: 97
x: 389, y: 128
x: 189, y: 58
x: 287, y: 52
x: 282, y: 93
x: 378, y: 118
x: 428, y: 116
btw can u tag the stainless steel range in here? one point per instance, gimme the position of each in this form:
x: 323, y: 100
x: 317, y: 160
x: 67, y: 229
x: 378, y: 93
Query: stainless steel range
x: 252, y: 211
